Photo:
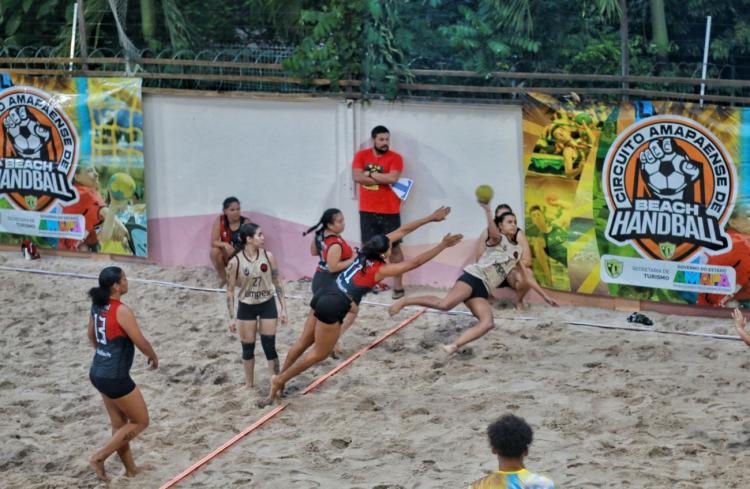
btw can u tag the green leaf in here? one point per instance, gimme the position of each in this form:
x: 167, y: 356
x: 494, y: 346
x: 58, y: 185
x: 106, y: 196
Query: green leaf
x: 15, y: 21
x: 27, y: 5
x: 45, y: 8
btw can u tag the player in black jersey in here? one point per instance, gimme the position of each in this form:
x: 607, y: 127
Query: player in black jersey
x: 113, y: 332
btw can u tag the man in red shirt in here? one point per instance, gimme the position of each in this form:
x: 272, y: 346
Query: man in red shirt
x: 375, y: 169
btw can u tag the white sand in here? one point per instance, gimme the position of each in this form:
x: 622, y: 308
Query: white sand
x: 609, y: 408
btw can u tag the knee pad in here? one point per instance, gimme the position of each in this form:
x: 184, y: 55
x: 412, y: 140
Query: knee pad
x: 269, y: 346
x: 248, y: 350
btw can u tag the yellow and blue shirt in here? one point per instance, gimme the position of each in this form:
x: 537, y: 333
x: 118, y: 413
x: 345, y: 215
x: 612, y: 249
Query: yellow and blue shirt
x: 518, y: 479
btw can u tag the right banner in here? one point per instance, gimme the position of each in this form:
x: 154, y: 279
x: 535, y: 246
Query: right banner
x: 640, y: 199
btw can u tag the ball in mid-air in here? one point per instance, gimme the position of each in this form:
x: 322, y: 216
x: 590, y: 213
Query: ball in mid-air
x: 484, y: 194
x: 121, y: 186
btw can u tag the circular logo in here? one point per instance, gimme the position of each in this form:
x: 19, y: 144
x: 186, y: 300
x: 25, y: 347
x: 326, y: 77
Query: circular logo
x: 263, y: 267
x: 670, y: 187
x: 38, y: 150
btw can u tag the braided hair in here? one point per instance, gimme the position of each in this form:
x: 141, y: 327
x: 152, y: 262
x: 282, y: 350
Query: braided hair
x: 320, y: 228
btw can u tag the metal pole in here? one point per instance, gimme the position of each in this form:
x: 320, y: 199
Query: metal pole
x: 705, y: 57
x: 73, y: 35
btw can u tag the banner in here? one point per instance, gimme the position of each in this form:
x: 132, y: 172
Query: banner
x: 642, y: 200
x: 71, y: 164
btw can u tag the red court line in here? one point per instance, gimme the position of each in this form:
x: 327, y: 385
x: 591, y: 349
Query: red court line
x: 361, y: 352
x: 226, y: 445
x: 269, y: 415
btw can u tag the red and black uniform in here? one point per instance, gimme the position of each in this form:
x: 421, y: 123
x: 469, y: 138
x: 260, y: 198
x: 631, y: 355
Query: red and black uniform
x: 227, y: 235
x: 110, y: 368
x: 331, y: 304
x: 322, y: 275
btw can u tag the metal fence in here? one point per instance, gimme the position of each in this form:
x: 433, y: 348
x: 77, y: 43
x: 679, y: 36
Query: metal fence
x: 258, y: 68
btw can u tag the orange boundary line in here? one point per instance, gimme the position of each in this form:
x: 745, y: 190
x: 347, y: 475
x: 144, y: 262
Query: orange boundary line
x: 271, y: 414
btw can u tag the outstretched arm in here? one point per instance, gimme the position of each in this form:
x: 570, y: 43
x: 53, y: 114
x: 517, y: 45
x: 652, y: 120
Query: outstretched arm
x: 436, y: 216
x: 739, y: 324
x: 493, y: 232
x: 393, y: 269
x: 522, y: 240
x: 534, y: 285
x: 231, y: 283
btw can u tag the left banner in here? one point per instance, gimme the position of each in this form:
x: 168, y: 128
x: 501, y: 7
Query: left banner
x: 71, y: 164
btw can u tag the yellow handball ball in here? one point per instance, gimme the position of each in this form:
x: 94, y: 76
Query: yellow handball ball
x: 121, y: 186
x: 484, y: 194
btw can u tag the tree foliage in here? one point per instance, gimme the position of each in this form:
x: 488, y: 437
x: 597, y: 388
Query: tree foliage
x: 378, y: 43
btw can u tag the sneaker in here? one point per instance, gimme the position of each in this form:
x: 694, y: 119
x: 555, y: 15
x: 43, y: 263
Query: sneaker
x: 398, y: 293
x: 639, y: 318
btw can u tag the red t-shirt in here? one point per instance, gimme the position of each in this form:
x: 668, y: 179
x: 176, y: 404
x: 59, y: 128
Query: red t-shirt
x: 378, y: 198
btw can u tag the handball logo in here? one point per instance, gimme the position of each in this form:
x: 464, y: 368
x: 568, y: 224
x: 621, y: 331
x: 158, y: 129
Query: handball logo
x: 670, y: 187
x: 38, y: 150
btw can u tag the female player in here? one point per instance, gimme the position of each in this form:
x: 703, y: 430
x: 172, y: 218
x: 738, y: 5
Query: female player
x: 225, y: 236
x: 502, y: 254
x: 334, y: 256
x: 332, y: 303
x: 113, y: 331
x: 255, y: 271
x: 514, y: 280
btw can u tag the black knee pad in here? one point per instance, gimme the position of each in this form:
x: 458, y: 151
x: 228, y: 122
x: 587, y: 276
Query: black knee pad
x: 269, y: 346
x: 248, y: 350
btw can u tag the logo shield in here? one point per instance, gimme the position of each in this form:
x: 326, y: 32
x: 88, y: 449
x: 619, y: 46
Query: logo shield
x: 667, y: 250
x: 613, y: 267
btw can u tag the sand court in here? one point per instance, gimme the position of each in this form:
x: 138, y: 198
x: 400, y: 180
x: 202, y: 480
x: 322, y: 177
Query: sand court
x: 610, y: 408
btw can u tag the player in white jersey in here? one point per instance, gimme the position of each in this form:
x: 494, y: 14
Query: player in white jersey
x: 255, y: 272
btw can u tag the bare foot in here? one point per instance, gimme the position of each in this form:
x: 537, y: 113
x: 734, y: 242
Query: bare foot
x: 138, y: 470
x: 276, y: 388
x: 450, y: 349
x: 98, y: 466
x: 396, y: 307
x: 337, y: 352
x: 521, y: 306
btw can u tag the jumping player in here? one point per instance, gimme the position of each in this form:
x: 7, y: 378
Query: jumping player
x: 334, y: 256
x: 225, y: 236
x: 113, y: 331
x: 332, y: 303
x: 514, y: 279
x: 255, y: 271
x: 501, y: 256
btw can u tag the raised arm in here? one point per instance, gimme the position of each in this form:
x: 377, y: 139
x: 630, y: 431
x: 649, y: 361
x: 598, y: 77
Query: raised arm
x: 128, y: 323
x: 436, y: 216
x: 493, y: 232
x: 278, y: 284
x: 481, y: 244
x: 393, y: 269
x: 739, y: 324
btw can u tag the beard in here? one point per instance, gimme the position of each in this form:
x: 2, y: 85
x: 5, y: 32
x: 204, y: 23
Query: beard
x: 382, y: 149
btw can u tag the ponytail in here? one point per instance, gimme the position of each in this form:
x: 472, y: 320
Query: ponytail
x: 325, y: 220
x: 107, y: 278
x: 373, y: 249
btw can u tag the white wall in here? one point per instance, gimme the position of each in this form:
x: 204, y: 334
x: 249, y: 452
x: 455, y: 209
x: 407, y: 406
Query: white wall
x: 291, y: 158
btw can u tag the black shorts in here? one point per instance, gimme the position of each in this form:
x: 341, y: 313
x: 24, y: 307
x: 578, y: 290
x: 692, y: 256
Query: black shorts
x: 477, y: 286
x: 113, y: 388
x: 322, y: 279
x: 251, y: 312
x: 371, y: 224
x: 330, y: 305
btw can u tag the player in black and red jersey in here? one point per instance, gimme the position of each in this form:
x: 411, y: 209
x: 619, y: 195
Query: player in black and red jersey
x: 334, y: 256
x: 332, y: 303
x: 225, y: 236
x: 113, y: 332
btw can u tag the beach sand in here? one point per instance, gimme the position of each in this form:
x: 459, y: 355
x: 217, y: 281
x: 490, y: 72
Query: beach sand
x: 609, y: 408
